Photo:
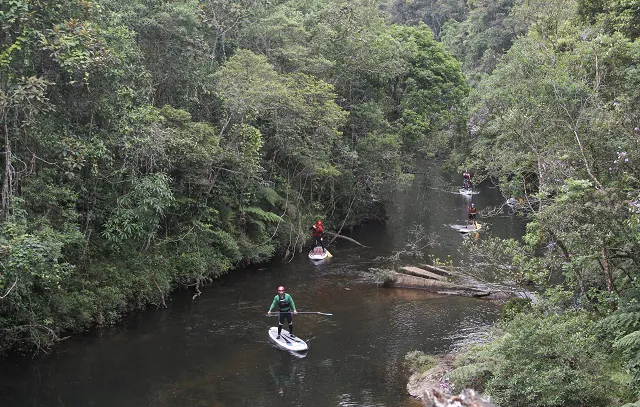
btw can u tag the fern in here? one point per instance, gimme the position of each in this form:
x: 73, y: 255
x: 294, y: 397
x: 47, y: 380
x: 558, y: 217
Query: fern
x: 271, y: 196
x: 260, y: 214
x: 622, y: 321
x: 629, y: 342
x: 623, y: 327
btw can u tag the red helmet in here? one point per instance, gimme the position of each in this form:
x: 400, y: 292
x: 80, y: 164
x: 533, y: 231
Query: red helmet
x: 319, y: 223
x: 280, y: 288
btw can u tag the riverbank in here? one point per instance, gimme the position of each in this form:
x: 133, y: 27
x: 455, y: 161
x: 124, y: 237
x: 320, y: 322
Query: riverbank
x: 434, y: 390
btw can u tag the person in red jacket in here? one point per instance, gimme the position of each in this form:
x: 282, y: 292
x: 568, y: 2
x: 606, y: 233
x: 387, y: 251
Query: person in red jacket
x: 466, y: 179
x: 318, y: 235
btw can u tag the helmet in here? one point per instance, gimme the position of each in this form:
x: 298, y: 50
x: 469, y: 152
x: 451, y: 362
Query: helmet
x: 280, y: 288
x: 473, y: 205
x: 319, y: 223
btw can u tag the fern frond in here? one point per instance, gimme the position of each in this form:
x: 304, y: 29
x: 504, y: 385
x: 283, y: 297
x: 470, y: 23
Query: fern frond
x: 270, y: 195
x: 260, y: 214
x: 629, y: 341
x: 621, y: 321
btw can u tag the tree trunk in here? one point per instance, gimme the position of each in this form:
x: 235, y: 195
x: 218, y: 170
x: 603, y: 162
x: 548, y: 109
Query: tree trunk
x: 6, y: 181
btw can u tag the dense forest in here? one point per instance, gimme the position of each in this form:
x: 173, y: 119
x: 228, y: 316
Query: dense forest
x: 149, y: 145
x: 554, y: 120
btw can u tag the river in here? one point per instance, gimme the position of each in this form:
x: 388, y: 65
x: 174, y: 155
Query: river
x: 214, y: 351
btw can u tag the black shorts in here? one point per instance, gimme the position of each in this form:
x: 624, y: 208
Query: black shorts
x: 472, y: 216
x: 285, y: 314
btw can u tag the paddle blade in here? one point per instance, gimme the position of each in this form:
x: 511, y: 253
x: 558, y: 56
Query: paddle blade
x: 329, y: 255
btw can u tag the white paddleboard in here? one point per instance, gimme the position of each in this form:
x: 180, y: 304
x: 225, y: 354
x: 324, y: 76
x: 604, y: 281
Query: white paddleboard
x: 286, y: 341
x: 470, y: 228
x: 467, y: 191
x: 317, y: 254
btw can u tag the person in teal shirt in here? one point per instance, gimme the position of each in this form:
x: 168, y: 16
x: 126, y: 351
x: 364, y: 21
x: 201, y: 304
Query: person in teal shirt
x: 285, y: 305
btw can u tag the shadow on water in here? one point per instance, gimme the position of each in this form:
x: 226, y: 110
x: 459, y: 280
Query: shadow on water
x: 215, y: 351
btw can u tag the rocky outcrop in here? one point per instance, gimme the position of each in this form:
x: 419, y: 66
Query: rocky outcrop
x: 435, y: 391
x: 432, y: 379
x: 466, y: 398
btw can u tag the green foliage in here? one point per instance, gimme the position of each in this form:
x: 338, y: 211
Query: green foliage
x: 139, y: 212
x: 419, y: 362
x: 148, y: 145
x: 383, y: 276
x: 513, y: 307
x: 622, y: 327
x: 618, y: 15
x: 34, y: 307
x: 434, y: 87
x: 550, y: 360
x: 480, y: 39
x: 258, y: 213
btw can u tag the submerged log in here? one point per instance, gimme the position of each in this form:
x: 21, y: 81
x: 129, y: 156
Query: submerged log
x: 415, y: 271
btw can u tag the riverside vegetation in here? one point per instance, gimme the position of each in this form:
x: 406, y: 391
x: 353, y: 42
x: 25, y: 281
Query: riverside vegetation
x: 554, y: 119
x: 149, y: 145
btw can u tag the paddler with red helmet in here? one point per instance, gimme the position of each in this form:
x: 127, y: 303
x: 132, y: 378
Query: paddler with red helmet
x: 318, y: 234
x: 285, y: 305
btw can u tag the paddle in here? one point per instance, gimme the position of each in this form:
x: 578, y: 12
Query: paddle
x: 303, y: 312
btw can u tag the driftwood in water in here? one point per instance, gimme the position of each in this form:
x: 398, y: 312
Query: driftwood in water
x: 415, y: 271
x: 343, y: 237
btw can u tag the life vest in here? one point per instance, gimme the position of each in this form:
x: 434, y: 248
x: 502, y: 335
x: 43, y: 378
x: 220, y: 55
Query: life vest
x: 317, y: 230
x: 472, y: 211
x: 283, y: 303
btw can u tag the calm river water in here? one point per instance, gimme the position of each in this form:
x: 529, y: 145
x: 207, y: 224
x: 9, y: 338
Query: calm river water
x: 214, y: 351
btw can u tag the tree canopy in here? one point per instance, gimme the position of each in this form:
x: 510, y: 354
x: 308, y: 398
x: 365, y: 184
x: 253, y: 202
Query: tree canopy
x: 149, y: 145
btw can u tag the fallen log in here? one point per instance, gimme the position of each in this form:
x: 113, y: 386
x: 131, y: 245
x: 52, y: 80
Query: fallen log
x: 466, y: 292
x: 407, y: 281
x: 401, y: 280
x: 344, y: 237
x: 415, y: 271
x: 436, y: 269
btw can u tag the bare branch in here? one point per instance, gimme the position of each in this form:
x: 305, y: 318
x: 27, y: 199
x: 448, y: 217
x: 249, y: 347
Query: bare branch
x: 10, y: 288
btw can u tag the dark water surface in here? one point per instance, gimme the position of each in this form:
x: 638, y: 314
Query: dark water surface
x: 214, y: 351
